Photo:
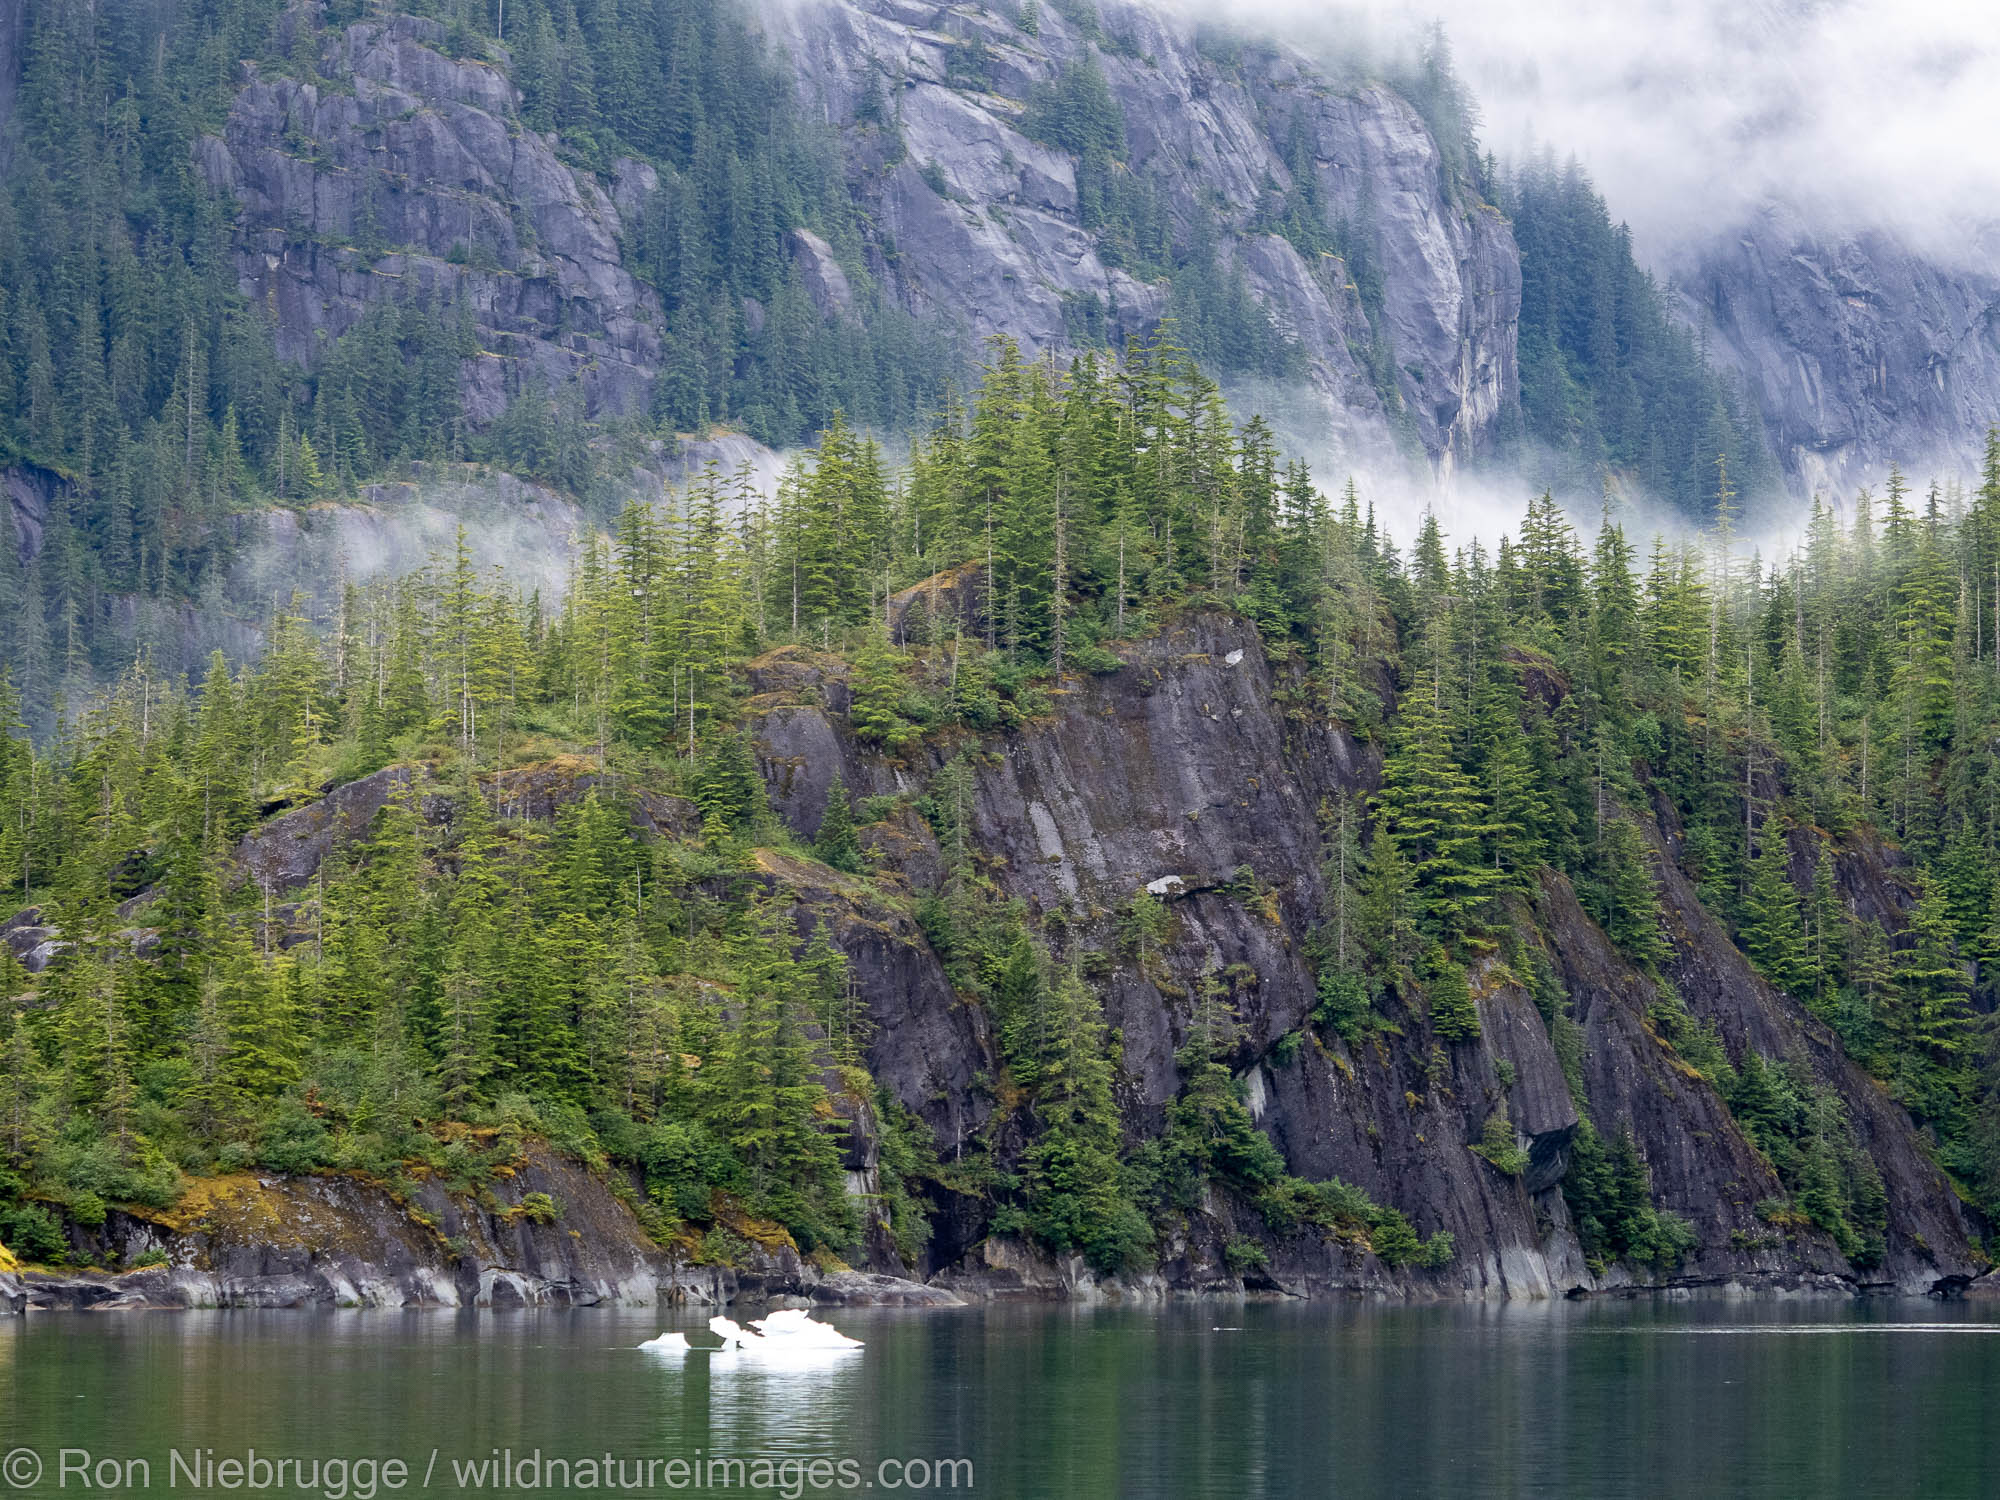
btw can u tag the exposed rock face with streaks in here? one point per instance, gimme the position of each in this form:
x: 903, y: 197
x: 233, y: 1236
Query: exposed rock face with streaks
x: 985, y: 222
x: 1860, y: 351
x: 1180, y: 770
x: 411, y: 173
x: 1193, y: 770
x: 427, y: 153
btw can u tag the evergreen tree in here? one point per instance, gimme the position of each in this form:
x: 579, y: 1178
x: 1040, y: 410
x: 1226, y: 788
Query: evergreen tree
x: 835, y: 844
x: 1432, y: 812
x: 1774, y: 932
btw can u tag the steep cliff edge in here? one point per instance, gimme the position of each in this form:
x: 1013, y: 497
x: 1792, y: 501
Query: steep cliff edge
x: 1185, y: 766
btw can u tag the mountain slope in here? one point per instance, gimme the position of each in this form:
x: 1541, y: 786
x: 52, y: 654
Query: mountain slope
x: 410, y: 151
x: 1083, y: 856
x: 1401, y: 296
x: 973, y: 226
x: 1861, y: 352
x: 1184, y: 764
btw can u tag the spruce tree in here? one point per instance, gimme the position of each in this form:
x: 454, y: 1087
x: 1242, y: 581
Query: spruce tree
x: 835, y: 844
x: 1432, y: 812
x: 1774, y: 932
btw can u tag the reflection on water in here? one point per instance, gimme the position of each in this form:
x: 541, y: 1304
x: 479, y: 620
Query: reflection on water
x: 1196, y: 1400
x: 1841, y: 1329
x: 742, y: 1404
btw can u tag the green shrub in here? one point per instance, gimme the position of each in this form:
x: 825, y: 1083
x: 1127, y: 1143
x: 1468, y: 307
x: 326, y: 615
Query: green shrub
x: 1394, y: 1239
x: 1096, y: 659
x: 1343, y: 1005
x: 1244, y: 1255
x: 538, y: 1208
x: 684, y: 1165
x: 33, y: 1233
x: 719, y: 1247
x: 1500, y: 1145
x: 1454, y: 1016
x: 293, y: 1140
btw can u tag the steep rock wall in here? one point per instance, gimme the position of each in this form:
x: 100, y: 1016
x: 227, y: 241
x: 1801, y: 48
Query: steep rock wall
x: 410, y: 172
x: 427, y: 154
x: 1198, y: 768
x: 1859, y: 351
x: 1186, y: 763
x: 985, y: 222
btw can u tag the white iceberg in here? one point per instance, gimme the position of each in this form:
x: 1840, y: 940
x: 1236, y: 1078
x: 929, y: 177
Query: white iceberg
x: 795, y: 1329
x: 788, y: 1336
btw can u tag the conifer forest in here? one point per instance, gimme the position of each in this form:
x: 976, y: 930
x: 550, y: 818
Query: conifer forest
x: 443, y: 861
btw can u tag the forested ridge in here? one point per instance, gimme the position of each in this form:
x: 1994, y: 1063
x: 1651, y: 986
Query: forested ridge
x: 132, y: 366
x: 142, y: 390
x: 1609, y: 380
x: 658, y: 991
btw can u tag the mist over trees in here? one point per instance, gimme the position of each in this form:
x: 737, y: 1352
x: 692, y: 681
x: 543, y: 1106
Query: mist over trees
x: 1609, y: 381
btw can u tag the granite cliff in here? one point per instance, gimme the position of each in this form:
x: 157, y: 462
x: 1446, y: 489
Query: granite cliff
x: 1859, y: 350
x: 986, y: 221
x: 1186, y: 766
x: 410, y: 172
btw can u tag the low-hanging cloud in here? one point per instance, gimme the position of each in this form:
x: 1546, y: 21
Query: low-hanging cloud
x: 1859, y: 114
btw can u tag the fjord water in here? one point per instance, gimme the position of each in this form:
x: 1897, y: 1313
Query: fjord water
x: 1198, y: 1400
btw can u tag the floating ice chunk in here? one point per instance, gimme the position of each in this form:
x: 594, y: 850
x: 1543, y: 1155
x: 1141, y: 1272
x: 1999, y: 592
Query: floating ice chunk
x: 781, y: 1339
x: 795, y: 1328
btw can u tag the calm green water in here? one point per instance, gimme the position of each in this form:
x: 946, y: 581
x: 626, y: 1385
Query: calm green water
x: 1211, y: 1400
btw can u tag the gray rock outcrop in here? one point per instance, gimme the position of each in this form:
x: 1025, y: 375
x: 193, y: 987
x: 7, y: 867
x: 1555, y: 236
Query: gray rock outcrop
x: 543, y: 1232
x: 426, y: 157
x: 1181, y: 763
x: 986, y: 222
x: 1858, y: 351
x: 412, y: 173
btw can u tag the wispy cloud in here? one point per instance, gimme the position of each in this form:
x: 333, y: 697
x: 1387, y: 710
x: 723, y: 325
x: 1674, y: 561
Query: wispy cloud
x: 1861, y: 114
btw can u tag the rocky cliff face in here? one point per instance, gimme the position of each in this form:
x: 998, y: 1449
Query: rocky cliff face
x: 1859, y: 351
x: 408, y: 171
x: 414, y: 150
x: 411, y: 173
x: 985, y: 223
x: 545, y: 1232
x: 1193, y: 769
x: 1181, y: 769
